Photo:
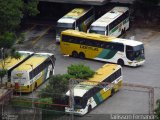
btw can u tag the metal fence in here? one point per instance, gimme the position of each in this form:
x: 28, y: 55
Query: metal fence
x: 53, y: 111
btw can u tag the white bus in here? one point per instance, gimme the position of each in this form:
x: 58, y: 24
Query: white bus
x: 33, y: 72
x: 90, y: 93
x: 113, y: 23
x: 77, y: 19
x: 11, y: 63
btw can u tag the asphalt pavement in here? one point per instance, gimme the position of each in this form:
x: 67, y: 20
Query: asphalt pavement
x: 126, y: 100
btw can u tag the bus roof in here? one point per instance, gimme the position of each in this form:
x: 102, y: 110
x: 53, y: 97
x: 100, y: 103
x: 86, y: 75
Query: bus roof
x: 73, y: 15
x: 100, y: 37
x: 33, y: 62
x: 110, y: 16
x: 11, y: 62
x: 99, y: 76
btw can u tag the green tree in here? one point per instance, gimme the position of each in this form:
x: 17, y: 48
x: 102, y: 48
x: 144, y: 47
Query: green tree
x: 7, y: 40
x: 44, y: 102
x: 80, y: 71
x: 12, y: 12
x: 57, y: 85
x: 2, y: 74
x: 30, y: 7
x: 157, y: 110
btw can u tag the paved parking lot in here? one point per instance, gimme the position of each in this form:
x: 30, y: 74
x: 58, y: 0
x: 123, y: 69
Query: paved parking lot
x: 126, y: 100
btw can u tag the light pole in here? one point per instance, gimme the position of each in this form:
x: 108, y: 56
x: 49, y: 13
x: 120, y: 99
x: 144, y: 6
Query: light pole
x: 20, y: 87
x: 32, y: 86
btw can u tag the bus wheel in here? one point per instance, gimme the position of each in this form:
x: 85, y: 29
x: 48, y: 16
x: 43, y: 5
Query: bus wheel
x: 74, y: 54
x: 35, y: 86
x: 89, y: 108
x: 50, y: 73
x: 123, y: 31
x: 82, y: 55
x: 112, y: 92
x: 120, y: 62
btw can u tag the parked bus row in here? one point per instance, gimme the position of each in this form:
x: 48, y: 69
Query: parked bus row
x: 32, y: 69
x: 29, y: 71
x: 113, y: 23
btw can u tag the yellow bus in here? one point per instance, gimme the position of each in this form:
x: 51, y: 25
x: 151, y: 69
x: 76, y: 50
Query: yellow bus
x: 77, y: 19
x: 90, y: 93
x: 11, y: 63
x: 101, y: 47
x: 33, y: 72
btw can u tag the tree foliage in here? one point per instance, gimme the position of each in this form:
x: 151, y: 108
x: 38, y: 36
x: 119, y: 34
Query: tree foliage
x: 30, y: 7
x: 80, y: 71
x: 157, y: 110
x: 2, y: 74
x: 44, y: 102
x: 12, y: 11
x: 58, y: 85
x: 7, y: 40
x: 11, y: 14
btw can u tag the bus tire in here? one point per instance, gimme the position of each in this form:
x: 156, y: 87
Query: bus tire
x: 123, y: 31
x: 35, y: 86
x: 120, y: 62
x: 81, y: 55
x: 74, y: 54
x: 89, y: 108
x: 50, y: 73
x: 112, y: 92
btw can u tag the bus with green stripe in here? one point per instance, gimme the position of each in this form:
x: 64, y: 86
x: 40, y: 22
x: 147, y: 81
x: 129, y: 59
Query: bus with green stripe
x: 103, y: 48
x: 33, y: 72
x: 77, y: 19
x: 113, y: 23
x: 88, y: 94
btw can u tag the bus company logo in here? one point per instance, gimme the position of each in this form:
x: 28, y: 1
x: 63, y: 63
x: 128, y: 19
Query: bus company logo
x: 19, y: 75
x: 89, y: 47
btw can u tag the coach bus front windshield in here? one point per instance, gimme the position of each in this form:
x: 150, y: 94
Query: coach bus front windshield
x: 63, y: 26
x: 79, y: 102
x: 97, y: 29
x: 135, y: 52
x: 97, y: 32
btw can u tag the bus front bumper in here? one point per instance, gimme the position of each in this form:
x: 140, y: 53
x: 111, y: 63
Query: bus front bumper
x: 79, y: 112
x: 136, y: 63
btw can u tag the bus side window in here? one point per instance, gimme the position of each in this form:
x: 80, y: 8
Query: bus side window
x: 89, y: 42
x: 98, y: 43
x: 94, y: 43
x: 106, y: 45
x: 119, y: 47
x: 110, y: 46
x: 64, y: 38
x: 101, y: 44
x: 81, y: 41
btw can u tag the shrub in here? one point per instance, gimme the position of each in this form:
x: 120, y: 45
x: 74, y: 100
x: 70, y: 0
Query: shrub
x: 80, y: 71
